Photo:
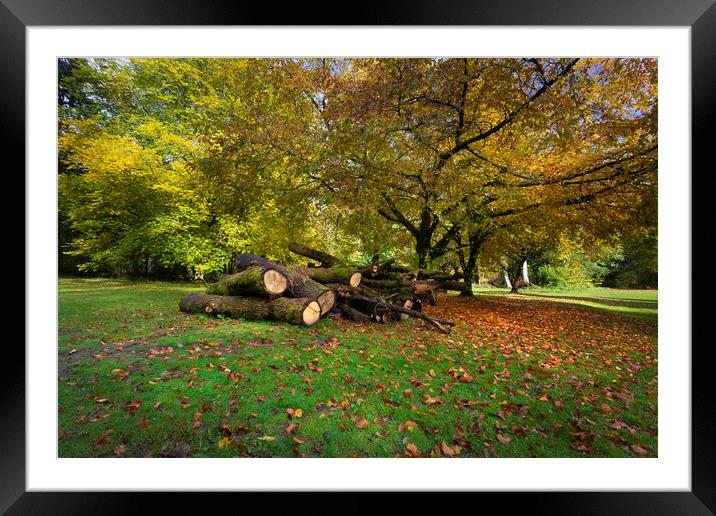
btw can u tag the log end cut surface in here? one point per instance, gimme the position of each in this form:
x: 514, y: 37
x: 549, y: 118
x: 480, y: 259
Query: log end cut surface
x: 355, y: 278
x: 275, y: 283
x: 326, y: 300
x: 311, y: 313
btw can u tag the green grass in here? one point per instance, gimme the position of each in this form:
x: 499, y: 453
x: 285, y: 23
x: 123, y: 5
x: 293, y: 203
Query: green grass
x: 518, y: 377
x: 632, y: 302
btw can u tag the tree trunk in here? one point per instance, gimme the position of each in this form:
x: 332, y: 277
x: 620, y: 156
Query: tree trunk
x: 254, y: 280
x: 325, y: 259
x: 334, y: 275
x: 301, y: 311
x: 515, y: 272
x: 508, y: 283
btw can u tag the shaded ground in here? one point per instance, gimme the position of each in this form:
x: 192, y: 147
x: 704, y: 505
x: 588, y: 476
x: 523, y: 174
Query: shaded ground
x: 519, y: 377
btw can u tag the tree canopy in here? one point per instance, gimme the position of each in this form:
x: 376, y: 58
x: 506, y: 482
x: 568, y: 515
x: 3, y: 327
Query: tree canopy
x: 176, y: 164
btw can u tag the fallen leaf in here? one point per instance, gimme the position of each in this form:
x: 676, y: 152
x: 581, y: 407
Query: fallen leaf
x: 407, y: 425
x: 504, y: 439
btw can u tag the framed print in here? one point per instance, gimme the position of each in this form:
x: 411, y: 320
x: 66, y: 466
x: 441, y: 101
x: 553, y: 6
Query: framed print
x: 192, y: 120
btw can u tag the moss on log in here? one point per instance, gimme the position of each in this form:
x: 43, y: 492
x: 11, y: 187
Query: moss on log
x: 325, y: 259
x: 254, y: 280
x: 340, y: 274
x: 301, y: 311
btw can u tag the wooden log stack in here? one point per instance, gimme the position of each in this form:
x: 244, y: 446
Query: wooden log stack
x: 260, y: 289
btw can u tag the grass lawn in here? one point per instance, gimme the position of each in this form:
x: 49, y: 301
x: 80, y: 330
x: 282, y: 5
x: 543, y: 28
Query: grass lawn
x: 638, y: 303
x: 520, y: 376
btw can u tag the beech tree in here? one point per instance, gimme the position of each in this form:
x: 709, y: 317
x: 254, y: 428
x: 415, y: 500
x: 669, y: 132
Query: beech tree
x: 443, y: 147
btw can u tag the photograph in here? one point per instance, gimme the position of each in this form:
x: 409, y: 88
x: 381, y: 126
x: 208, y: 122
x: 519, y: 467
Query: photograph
x: 357, y: 257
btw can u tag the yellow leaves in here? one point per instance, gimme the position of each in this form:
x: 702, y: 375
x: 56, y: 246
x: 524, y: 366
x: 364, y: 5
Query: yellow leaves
x: 407, y: 426
x: 294, y: 413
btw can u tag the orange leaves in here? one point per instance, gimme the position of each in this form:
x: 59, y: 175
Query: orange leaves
x: 429, y: 400
x: 439, y: 450
x: 132, y: 406
x: 450, y: 451
x: 412, y: 451
x: 360, y: 422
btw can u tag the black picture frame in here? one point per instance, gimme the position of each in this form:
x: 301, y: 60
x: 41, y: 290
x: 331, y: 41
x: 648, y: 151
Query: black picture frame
x: 700, y: 15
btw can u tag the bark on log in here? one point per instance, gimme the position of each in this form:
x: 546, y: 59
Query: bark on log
x: 325, y: 259
x: 340, y: 274
x: 458, y: 286
x: 389, y: 284
x: 353, y: 314
x: 420, y: 315
x: 244, y: 261
x: 301, y: 285
x: 301, y: 311
x: 443, y: 276
x: 254, y: 280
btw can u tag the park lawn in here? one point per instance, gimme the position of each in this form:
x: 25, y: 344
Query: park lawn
x: 633, y: 302
x: 518, y: 377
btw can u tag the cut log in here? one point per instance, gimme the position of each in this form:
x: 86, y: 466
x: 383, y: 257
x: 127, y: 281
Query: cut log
x: 353, y: 314
x: 254, y: 280
x: 443, y: 276
x: 408, y: 303
x: 425, y: 292
x: 458, y: 286
x: 386, y: 284
x: 440, y: 325
x: 340, y: 274
x: 301, y: 285
x: 325, y: 259
x: 244, y: 261
x: 301, y: 311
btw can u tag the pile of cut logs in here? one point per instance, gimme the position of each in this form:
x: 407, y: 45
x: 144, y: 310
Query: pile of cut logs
x: 260, y: 289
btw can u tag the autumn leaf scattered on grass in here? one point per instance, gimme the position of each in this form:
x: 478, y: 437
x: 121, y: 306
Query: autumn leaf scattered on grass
x: 360, y: 422
x: 407, y: 425
x: 639, y: 450
x: 450, y: 451
x: 412, y: 451
x: 224, y: 442
x: 504, y: 439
